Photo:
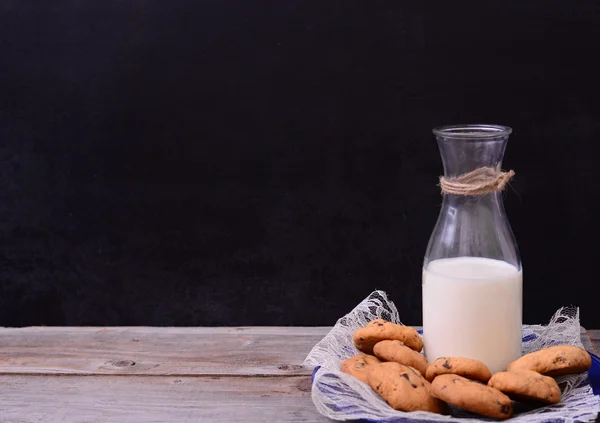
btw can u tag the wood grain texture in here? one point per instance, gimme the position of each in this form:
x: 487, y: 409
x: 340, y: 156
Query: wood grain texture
x: 157, y: 351
x: 144, y: 399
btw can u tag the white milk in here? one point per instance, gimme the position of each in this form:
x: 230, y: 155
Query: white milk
x: 472, y: 307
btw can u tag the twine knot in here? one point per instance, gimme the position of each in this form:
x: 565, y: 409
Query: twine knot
x: 483, y: 180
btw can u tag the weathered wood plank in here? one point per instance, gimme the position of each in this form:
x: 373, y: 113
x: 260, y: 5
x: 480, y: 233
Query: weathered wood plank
x: 161, y: 351
x: 146, y: 399
x: 157, y: 351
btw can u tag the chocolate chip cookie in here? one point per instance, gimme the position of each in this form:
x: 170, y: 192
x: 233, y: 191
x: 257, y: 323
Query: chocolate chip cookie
x: 472, y: 396
x: 358, y: 365
x: 379, y: 330
x: 467, y: 367
x: 554, y: 361
x: 398, y: 352
x: 403, y: 388
x: 527, y: 385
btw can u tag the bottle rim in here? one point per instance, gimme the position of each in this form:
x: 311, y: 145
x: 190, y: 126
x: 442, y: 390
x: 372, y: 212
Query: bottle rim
x: 477, y: 131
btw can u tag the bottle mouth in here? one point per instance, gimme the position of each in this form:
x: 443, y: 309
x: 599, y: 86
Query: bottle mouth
x: 472, y: 131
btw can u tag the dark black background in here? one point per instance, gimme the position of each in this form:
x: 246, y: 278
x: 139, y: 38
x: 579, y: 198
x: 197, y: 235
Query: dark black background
x: 271, y: 163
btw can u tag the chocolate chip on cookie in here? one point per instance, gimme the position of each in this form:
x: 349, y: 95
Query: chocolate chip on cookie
x: 472, y: 396
x: 467, y: 367
x: 358, y: 365
x: 403, y: 388
x: 554, y: 361
x: 379, y: 330
x: 398, y: 352
x: 527, y: 385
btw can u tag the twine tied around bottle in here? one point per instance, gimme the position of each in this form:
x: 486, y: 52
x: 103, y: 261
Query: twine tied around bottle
x: 483, y: 180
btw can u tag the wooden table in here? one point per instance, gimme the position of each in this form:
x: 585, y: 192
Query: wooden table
x: 142, y: 374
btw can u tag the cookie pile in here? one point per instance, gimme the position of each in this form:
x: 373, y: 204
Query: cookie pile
x: 392, y: 365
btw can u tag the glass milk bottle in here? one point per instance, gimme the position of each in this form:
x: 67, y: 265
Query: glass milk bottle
x: 472, y: 275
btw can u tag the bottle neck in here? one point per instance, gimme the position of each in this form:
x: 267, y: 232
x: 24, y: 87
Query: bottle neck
x: 460, y: 156
x: 492, y: 201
